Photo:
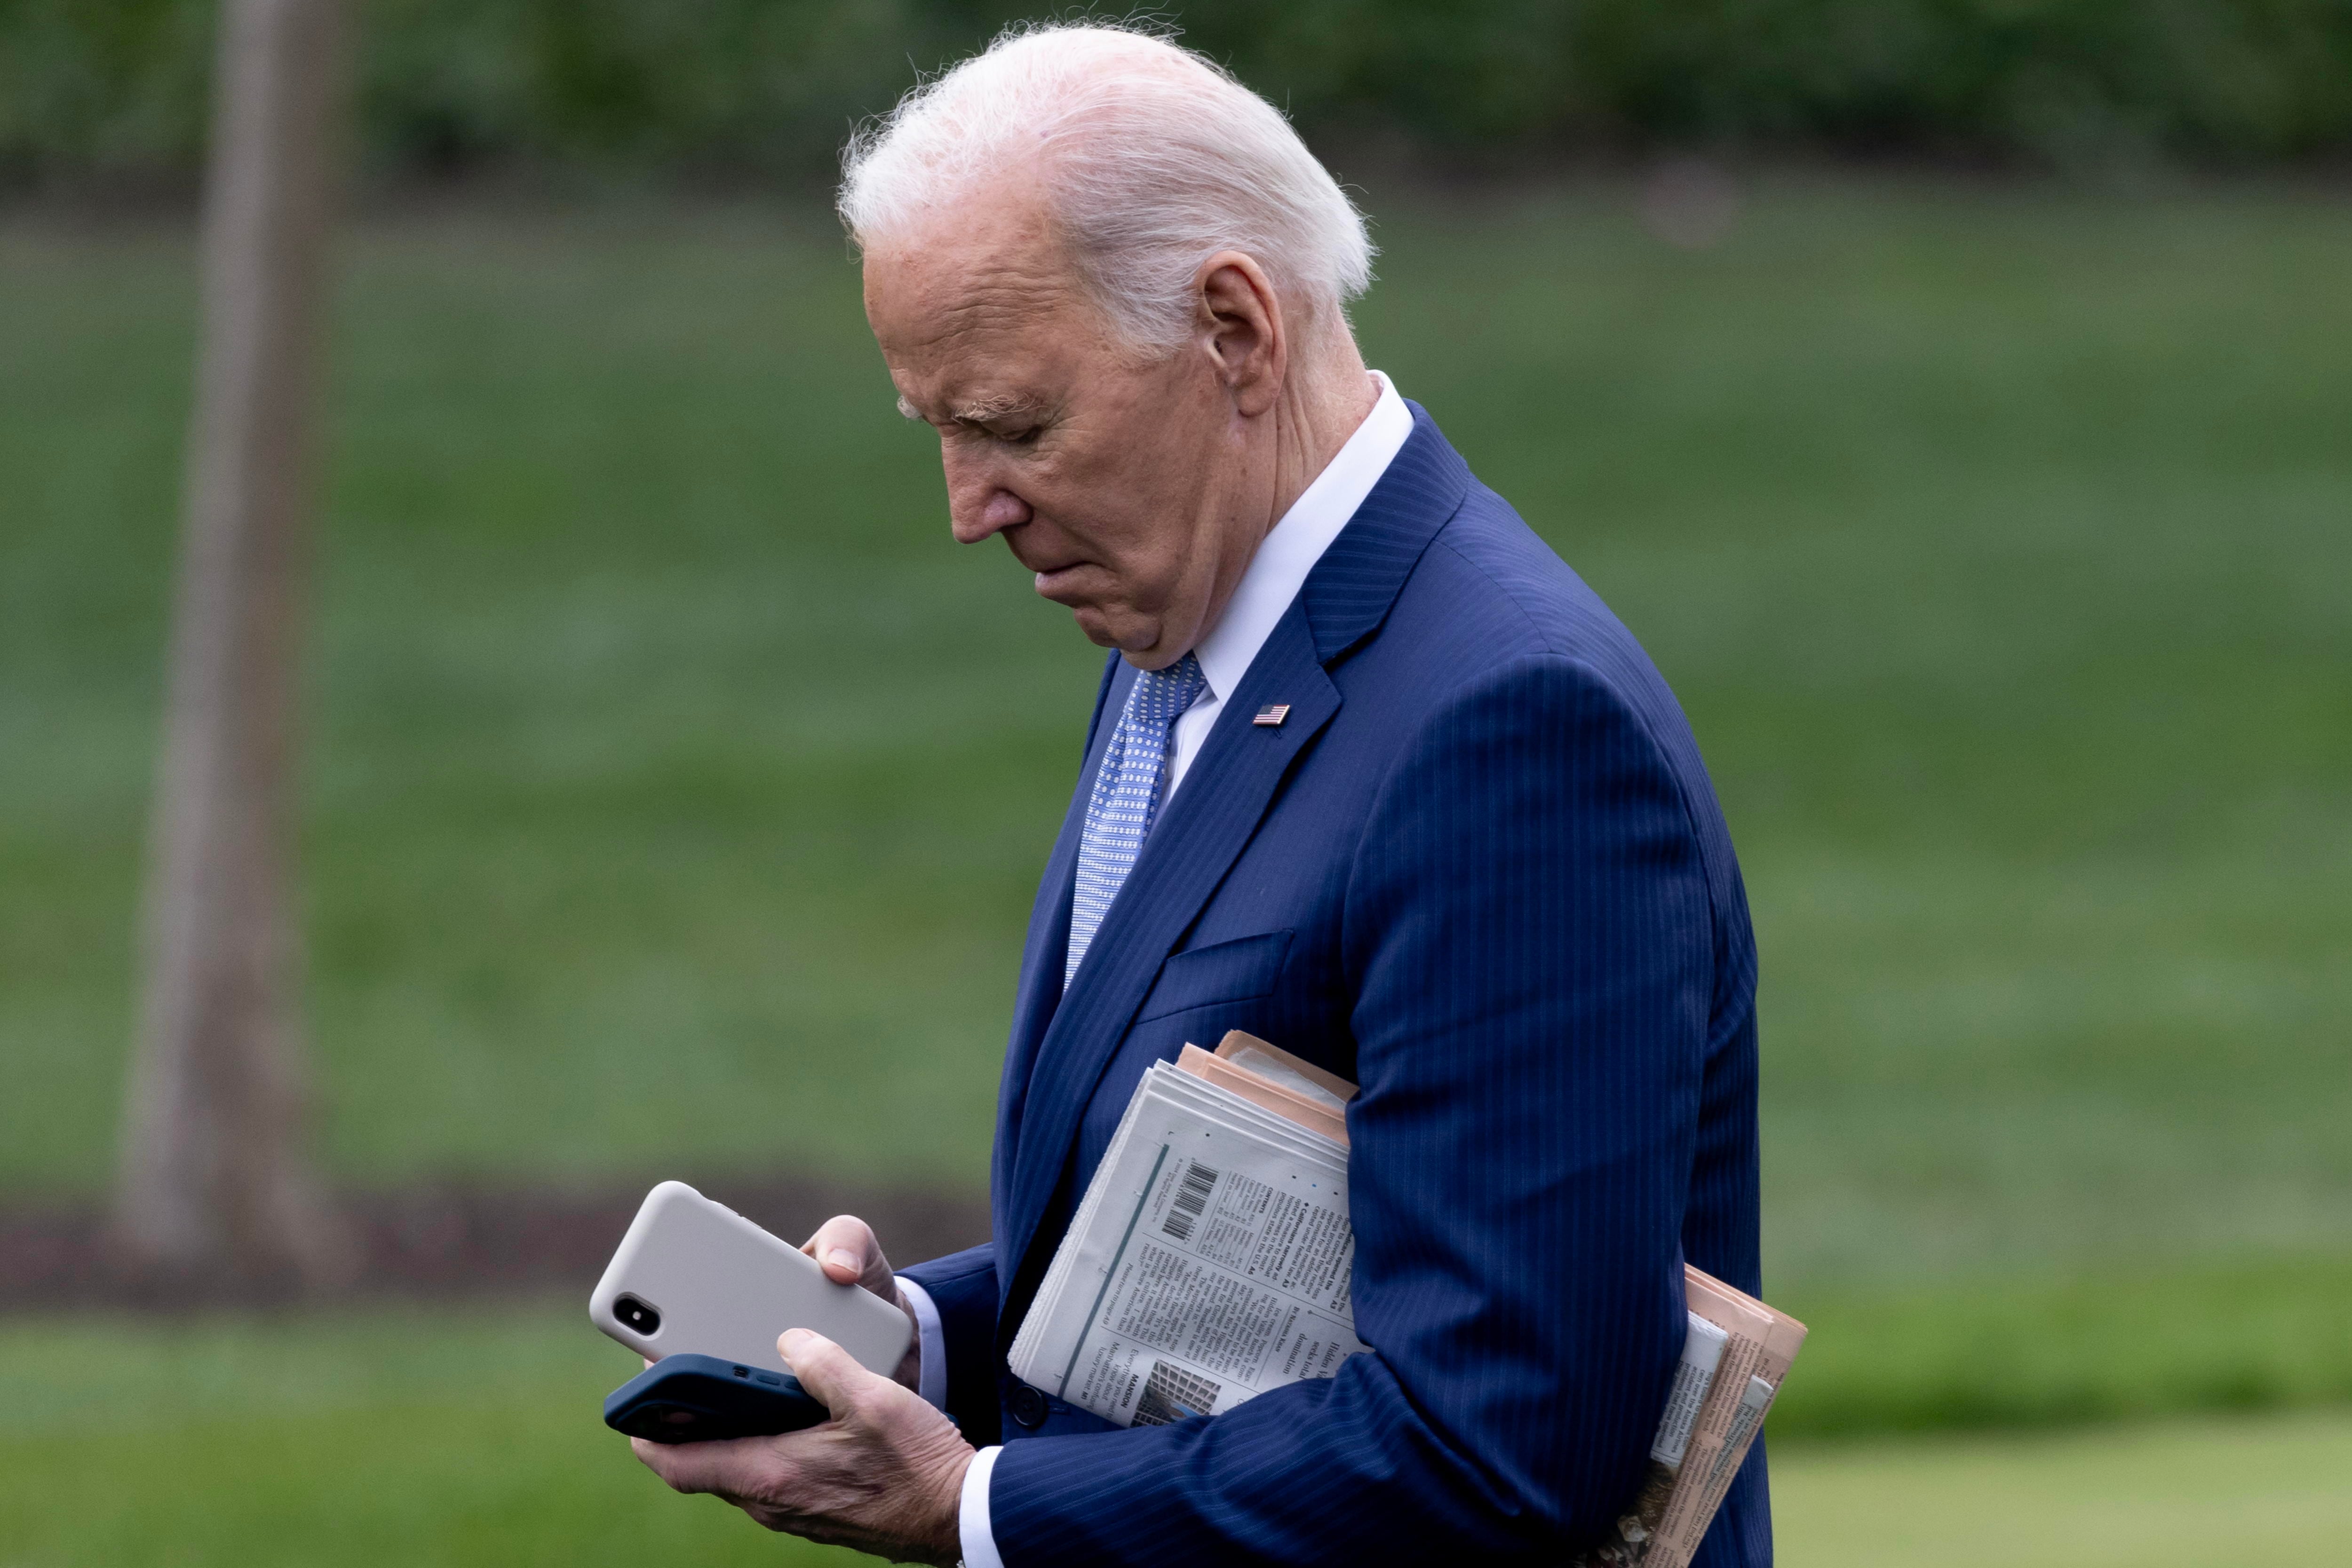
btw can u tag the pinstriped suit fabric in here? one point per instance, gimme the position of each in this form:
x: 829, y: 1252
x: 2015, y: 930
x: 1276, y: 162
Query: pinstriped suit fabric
x: 1489, y: 881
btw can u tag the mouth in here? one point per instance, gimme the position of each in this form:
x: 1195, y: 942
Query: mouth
x: 1060, y: 583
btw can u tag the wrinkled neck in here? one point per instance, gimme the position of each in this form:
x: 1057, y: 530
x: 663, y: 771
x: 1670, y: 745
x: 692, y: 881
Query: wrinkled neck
x: 1317, y: 412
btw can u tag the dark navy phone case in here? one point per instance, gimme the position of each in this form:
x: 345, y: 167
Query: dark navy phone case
x: 688, y: 1398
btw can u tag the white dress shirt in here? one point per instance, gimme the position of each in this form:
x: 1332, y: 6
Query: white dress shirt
x: 1275, y: 576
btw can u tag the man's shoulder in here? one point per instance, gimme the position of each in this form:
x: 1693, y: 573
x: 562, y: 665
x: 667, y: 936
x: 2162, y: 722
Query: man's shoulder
x: 1490, y: 592
x: 1491, y: 608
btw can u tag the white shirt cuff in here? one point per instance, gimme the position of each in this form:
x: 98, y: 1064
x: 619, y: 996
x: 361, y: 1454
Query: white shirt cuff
x: 932, y: 1382
x: 978, y: 1545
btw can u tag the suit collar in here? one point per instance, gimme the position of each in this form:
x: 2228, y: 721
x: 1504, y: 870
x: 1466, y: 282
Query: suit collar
x: 1290, y: 551
x: 1348, y: 593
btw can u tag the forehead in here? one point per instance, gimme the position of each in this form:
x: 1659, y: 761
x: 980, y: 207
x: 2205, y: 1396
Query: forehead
x: 981, y: 284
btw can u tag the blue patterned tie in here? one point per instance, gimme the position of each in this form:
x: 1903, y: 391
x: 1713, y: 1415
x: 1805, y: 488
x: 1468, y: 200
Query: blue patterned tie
x: 1127, y: 795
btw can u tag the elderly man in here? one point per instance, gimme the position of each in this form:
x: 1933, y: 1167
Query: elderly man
x: 1372, y: 775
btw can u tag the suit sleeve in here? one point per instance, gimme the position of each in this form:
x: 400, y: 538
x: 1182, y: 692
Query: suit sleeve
x: 962, y: 1286
x: 1527, y: 931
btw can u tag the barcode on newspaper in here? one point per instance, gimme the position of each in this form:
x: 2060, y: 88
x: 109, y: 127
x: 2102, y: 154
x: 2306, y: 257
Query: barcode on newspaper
x: 1170, y: 1393
x: 1192, y: 1199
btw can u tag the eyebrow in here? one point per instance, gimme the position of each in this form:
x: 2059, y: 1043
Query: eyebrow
x: 979, y: 410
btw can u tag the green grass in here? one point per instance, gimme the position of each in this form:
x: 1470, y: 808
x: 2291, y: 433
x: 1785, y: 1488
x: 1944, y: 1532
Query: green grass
x: 385, y: 1438
x: 389, y: 1437
x: 2017, y: 1352
x: 677, y: 790
x: 2213, y: 1494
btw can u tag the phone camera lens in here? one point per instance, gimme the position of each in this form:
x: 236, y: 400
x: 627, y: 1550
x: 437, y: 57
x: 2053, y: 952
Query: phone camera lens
x: 635, y: 1314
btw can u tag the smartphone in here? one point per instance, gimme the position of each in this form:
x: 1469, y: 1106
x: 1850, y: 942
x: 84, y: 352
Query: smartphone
x: 693, y: 1277
x: 690, y: 1398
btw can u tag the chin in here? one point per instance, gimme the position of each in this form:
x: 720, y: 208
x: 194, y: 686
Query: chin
x: 1104, y: 632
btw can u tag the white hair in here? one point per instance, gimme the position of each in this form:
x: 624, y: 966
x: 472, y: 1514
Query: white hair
x: 1153, y: 159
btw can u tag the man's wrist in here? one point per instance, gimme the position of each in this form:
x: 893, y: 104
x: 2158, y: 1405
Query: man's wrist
x: 945, y: 1540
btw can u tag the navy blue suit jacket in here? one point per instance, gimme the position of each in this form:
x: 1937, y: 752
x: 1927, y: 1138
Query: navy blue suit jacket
x: 1480, y: 871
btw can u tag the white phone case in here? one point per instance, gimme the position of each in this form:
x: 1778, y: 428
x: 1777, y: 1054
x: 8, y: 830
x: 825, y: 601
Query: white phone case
x: 723, y: 1287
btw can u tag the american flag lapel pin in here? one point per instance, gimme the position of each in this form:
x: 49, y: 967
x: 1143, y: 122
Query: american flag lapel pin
x: 1271, y: 715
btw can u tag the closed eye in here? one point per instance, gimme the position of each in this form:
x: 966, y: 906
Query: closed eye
x: 1001, y: 432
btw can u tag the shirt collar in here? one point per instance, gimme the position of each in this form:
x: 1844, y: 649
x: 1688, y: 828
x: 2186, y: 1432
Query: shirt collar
x: 1290, y: 550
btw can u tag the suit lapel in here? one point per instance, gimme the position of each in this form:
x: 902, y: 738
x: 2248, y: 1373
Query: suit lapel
x: 1206, y: 825
x: 1212, y: 818
x: 1039, y: 993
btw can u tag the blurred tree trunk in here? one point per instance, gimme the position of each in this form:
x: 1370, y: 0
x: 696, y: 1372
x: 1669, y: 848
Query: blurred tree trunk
x: 217, y: 1185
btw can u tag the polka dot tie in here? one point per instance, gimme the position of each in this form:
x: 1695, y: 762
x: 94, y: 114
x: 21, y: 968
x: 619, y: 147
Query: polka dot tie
x: 1126, y: 794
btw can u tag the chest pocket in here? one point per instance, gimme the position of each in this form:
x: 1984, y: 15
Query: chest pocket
x: 1237, y: 971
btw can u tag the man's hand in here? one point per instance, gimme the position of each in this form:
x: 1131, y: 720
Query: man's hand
x: 884, y: 1476
x: 846, y: 1246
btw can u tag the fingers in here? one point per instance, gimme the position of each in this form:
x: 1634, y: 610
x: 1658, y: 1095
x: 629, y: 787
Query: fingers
x: 829, y: 1372
x: 655, y: 1456
x: 730, y: 1469
x: 846, y: 1246
x: 886, y: 1475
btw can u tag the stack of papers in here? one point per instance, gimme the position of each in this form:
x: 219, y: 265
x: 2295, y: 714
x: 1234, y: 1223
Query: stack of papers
x: 1734, y: 1358
x: 1210, y: 1261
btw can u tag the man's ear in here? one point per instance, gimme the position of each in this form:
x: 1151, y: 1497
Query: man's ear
x: 1240, y: 325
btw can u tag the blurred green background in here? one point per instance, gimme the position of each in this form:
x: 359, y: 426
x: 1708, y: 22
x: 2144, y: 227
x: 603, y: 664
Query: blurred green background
x: 115, y: 88
x: 676, y: 790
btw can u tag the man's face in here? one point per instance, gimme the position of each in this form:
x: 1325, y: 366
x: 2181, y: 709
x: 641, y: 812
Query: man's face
x: 1132, y: 488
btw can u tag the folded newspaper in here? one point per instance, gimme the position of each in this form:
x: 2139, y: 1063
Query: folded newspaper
x: 1210, y: 1261
x: 1736, y: 1354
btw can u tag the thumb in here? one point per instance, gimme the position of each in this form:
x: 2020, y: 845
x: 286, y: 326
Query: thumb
x: 830, y: 1374
x: 846, y: 1246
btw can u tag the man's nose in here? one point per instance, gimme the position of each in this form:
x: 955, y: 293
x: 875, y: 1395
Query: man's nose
x: 978, y: 507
